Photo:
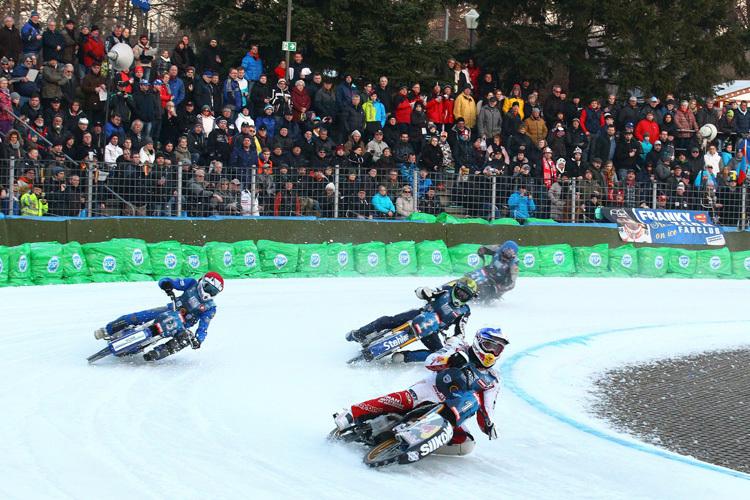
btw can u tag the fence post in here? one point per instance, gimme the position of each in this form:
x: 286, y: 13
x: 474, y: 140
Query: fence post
x: 12, y: 174
x: 337, y: 193
x: 90, y: 189
x: 414, y: 192
x: 253, y: 171
x: 573, y: 200
x: 743, y: 219
x: 179, y: 191
x: 654, y: 192
x: 493, y: 198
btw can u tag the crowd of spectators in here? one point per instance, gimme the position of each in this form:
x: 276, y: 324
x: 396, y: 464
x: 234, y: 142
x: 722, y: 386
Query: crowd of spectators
x: 458, y: 140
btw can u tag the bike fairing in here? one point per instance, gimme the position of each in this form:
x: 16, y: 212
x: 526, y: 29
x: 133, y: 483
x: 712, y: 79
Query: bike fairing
x: 190, y: 303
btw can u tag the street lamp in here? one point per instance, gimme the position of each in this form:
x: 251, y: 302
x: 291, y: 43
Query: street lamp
x: 472, y: 21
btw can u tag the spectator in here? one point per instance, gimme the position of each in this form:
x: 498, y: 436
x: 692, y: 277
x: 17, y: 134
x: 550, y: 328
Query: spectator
x: 287, y: 203
x: 25, y: 87
x: 300, y: 100
x: 687, y: 127
x: 253, y: 65
x: 200, y: 200
x: 93, y: 84
x: 210, y: 58
x: 405, y: 203
x: 93, y: 49
x: 465, y: 107
x: 382, y: 205
x: 31, y: 36
x: 10, y: 40
x: 521, y: 204
x: 430, y: 203
x: 52, y: 42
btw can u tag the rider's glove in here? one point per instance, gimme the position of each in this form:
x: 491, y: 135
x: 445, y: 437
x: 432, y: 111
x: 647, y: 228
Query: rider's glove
x: 166, y: 285
x: 482, y: 251
x: 195, y: 343
x: 424, y: 293
x: 458, y: 359
x: 491, y: 431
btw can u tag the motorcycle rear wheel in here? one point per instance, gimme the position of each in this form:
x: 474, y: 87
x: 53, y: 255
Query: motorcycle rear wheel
x: 385, y: 453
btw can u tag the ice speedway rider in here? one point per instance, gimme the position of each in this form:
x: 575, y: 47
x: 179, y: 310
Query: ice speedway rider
x: 448, y: 302
x: 480, y: 357
x: 503, y: 270
x: 195, y: 303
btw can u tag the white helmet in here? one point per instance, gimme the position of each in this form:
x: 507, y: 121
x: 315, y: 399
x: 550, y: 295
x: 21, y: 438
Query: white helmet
x: 487, y: 346
x: 210, y: 285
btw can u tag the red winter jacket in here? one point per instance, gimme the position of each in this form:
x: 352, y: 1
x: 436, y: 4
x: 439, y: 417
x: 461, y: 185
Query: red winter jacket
x: 647, y: 126
x: 93, y: 51
x: 434, y: 108
x: 402, y: 109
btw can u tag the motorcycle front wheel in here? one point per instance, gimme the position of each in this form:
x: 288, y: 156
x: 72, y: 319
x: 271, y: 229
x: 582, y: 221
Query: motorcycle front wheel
x: 385, y: 453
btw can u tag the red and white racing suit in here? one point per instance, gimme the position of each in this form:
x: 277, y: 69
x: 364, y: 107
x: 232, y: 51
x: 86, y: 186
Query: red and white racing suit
x: 426, y: 391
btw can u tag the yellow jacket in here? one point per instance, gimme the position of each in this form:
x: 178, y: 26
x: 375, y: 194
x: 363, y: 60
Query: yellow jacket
x: 31, y: 206
x: 466, y: 108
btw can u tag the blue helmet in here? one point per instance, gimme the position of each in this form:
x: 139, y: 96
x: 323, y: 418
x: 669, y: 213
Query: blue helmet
x: 487, y: 346
x: 509, y: 250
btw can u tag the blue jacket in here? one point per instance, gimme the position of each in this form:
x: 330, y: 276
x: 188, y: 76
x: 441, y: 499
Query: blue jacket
x: 193, y: 308
x: 449, y: 314
x: 24, y: 88
x: 28, y: 37
x: 232, y: 94
x: 521, y: 207
x: 253, y: 67
x: 344, y: 93
x: 177, y: 89
x: 242, y: 163
x: 269, y: 122
x: 383, y: 203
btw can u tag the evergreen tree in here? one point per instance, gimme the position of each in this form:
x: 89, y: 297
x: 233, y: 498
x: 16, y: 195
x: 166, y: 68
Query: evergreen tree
x: 658, y: 46
x: 364, y: 37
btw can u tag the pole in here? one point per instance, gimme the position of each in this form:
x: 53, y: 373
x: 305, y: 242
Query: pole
x: 12, y: 175
x: 179, y: 192
x: 288, y: 35
x: 90, y: 185
x: 471, y: 39
x: 493, y: 200
x: 158, y: 29
x: 447, y: 21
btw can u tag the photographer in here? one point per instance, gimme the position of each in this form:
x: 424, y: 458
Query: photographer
x: 33, y: 202
x: 521, y: 204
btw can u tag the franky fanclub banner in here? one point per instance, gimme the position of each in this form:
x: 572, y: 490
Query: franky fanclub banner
x: 644, y: 225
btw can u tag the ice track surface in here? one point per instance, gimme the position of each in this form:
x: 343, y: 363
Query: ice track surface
x: 247, y: 415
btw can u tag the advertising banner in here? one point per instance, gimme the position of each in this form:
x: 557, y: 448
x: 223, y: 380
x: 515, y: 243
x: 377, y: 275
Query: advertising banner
x: 644, y: 225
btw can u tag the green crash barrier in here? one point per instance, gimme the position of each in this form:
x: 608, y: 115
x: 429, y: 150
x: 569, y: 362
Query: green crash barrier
x: 505, y: 222
x: 167, y: 258
x: 528, y: 261
x: 557, y: 260
x: 19, y: 265
x: 341, y: 259
x: 592, y: 261
x: 683, y: 262
x: 195, y: 261
x: 4, y: 265
x: 369, y: 259
x: 313, y: 259
x: 247, y: 261
x: 401, y: 258
x: 714, y: 263
x: 653, y: 262
x: 278, y: 258
x: 75, y: 266
x: 741, y: 264
x: 465, y: 258
x: 133, y: 259
x: 623, y: 261
x: 136, y: 260
x: 419, y: 216
x: 47, y: 263
x: 433, y: 259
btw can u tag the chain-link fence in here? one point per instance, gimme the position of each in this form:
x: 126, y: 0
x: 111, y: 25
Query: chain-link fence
x: 164, y: 189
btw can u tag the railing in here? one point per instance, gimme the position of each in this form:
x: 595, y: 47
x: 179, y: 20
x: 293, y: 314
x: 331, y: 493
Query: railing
x: 94, y: 188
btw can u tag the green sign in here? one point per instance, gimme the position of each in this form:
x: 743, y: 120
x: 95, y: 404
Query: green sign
x: 289, y: 46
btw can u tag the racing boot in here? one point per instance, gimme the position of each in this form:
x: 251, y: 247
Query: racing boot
x: 354, y: 336
x: 343, y: 419
x: 101, y: 333
x: 398, y: 357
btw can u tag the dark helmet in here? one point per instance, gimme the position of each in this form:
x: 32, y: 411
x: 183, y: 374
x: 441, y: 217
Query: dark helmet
x: 509, y: 250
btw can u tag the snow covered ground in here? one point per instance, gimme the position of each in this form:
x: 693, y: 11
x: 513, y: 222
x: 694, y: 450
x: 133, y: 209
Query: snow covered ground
x: 247, y: 415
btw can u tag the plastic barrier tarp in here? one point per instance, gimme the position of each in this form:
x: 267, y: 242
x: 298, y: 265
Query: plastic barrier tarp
x: 592, y: 261
x: 341, y: 259
x: 278, y: 258
x: 4, y: 254
x: 47, y: 263
x: 167, y: 259
x: 653, y: 262
x: 104, y: 260
x: 369, y: 259
x: 222, y: 259
x: 623, y: 261
x: 195, y: 261
x: 313, y: 259
x: 248, y: 259
x: 682, y: 261
x: 136, y: 260
x: 465, y: 258
x: 75, y: 266
x: 557, y: 260
x: 401, y: 258
x: 433, y: 258
x: 528, y: 261
x: 714, y: 263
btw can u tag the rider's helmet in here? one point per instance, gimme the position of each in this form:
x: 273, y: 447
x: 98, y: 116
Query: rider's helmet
x: 463, y: 291
x: 487, y: 346
x: 210, y: 285
x: 509, y: 250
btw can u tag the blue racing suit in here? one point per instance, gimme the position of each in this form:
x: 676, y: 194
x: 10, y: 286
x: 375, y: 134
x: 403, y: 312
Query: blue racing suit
x: 427, y: 322
x: 193, y: 308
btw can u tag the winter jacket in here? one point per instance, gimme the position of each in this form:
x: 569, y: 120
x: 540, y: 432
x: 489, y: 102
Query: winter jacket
x: 232, y: 94
x: 31, y: 206
x: 465, y: 107
x: 490, y: 121
x: 253, y: 66
x: 383, y: 204
x: 50, y: 41
x: 344, y: 93
x: 685, y: 121
x: 536, y: 128
x: 592, y: 120
x: 93, y: 51
x: 300, y: 100
x: 29, y: 39
x: 10, y: 42
x: 647, y: 126
x: 52, y: 81
x: 352, y: 118
x: 521, y: 206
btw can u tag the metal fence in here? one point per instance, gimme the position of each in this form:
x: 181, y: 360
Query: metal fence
x: 163, y: 189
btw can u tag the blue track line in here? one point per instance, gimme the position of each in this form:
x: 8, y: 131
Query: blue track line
x: 507, y: 373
